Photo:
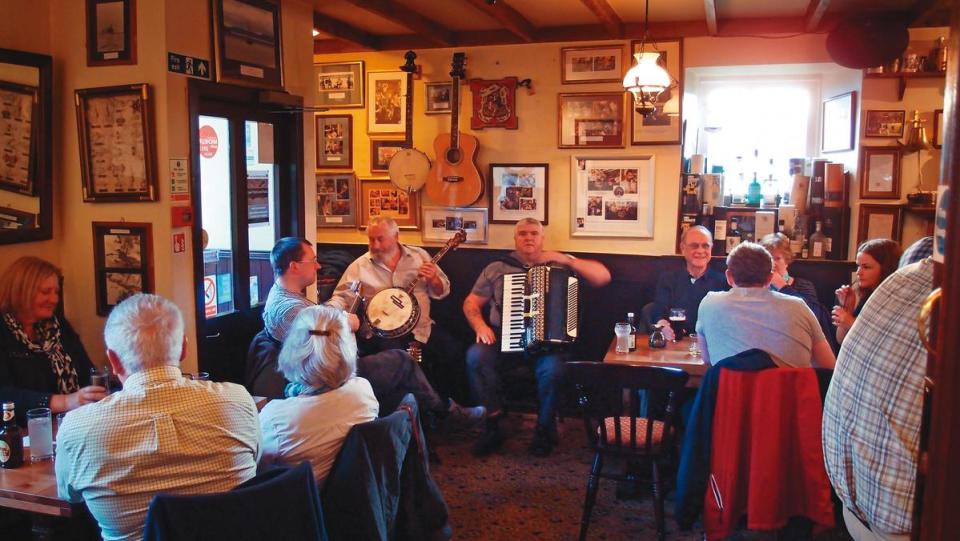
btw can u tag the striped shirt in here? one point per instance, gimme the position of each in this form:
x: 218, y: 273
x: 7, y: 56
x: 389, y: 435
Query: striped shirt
x: 161, y: 433
x: 871, y: 416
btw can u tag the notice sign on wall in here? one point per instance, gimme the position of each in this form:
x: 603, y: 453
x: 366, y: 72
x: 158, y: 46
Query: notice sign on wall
x: 179, y: 181
x: 210, y: 296
x: 188, y: 65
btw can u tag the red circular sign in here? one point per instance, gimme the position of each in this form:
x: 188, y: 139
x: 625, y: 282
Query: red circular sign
x: 208, y: 141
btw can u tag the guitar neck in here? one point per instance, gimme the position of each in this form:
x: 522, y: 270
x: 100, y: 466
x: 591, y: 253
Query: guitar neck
x: 443, y: 251
x: 455, y: 114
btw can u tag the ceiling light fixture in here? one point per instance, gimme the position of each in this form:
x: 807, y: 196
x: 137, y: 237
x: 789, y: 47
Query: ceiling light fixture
x: 647, y: 79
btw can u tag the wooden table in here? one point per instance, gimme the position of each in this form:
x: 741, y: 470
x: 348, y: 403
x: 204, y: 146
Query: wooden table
x: 33, y: 488
x: 675, y: 355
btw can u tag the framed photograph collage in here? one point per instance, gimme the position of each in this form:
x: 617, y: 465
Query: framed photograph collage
x: 612, y: 196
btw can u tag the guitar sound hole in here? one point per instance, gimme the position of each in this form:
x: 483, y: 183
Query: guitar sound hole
x: 454, y: 155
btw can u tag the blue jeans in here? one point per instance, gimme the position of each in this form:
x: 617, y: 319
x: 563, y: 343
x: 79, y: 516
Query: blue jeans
x: 392, y: 374
x: 484, y: 363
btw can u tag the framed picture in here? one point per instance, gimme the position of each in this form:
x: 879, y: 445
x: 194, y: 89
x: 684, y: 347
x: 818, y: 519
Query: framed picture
x: 117, y: 159
x: 494, y: 103
x: 664, y: 125
x: 19, y: 137
x: 12, y: 219
x: 937, y: 129
x: 600, y: 64
x: 339, y: 84
x: 123, y: 262
x: 879, y: 222
x: 880, y: 173
x: 381, y: 151
x: 111, y: 32
x: 611, y: 196
x: 336, y: 200
x: 603, y: 112
x: 883, y: 123
x: 334, y: 141
x: 386, y: 101
x: 837, y: 131
x: 378, y: 197
x: 440, y: 223
x: 518, y: 190
x: 438, y: 98
x: 247, y: 42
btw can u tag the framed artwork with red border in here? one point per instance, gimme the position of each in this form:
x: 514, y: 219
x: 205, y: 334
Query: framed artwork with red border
x: 494, y: 103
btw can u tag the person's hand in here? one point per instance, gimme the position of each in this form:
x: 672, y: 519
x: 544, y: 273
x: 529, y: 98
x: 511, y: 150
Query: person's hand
x: 354, y: 322
x: 86, y: 395
x: 844, y: 296
x: 553, y: 257
x: 486, y: 336
x: 842, y: 317
x: 777, y: 281
x: 427, y: 271
x: 666, y: 329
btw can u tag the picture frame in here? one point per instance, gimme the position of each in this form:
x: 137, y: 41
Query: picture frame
x: 111, y: 32
x: 248, y: 44
x: 386, y: 101
x: 517, y: 191
x: 437, y: 98
x: 612, y: 196
x: 881, y: 123
x: 937, y: 141
x: 837, y: 132
x: 381, y: 151
x: 114, y: 172
x: 602, y: 109
x: 880, y: 173
x: 339, y: 84
x: 494, y: 103
x: 378, y: 197
x: 592, y: 64
x: 664, y: 126
x: 879, y: 222
x: 336, y: 200
x: 334, y: 134
x: 12, y: 219
x: 441, y: 223
x: 123, y: 262
x: 20, y: 125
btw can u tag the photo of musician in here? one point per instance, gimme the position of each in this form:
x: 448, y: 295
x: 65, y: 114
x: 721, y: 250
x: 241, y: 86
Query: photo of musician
x: 484, y: 359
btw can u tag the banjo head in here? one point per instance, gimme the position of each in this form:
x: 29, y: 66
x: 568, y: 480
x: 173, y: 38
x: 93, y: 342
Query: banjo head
x: 409, y: 169
x: 390, y: 309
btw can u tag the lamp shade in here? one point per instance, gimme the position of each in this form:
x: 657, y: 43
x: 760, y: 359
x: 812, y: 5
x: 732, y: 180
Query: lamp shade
x: 646, y: 80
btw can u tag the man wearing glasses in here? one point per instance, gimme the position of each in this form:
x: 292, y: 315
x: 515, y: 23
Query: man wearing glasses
x: 685, y: 289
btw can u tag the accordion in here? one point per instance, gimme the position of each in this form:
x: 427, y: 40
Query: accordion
x: 540, y: 307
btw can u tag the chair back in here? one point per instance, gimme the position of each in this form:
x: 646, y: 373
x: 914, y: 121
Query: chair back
x: 627, y: 409
x: 280, y: 504
x: 262, y: 376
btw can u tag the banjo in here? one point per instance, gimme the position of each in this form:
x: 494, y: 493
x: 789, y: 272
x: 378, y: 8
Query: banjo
x: 394, y: 311
x: 408, y: 168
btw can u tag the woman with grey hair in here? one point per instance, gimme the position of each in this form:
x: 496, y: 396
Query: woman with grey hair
x: 319, y: 356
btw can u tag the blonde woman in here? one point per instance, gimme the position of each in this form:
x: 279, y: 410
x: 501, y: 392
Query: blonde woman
x: 319, y: 356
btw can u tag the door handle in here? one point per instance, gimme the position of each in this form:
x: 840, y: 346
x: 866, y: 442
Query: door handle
x: 924, y: 317
x: 212, y: 335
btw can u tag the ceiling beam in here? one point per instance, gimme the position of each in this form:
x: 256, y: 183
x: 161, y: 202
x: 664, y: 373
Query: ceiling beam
x: 710, y: 11
x: 409, y: 19
x: 510, y: 18
x: 607, y: 17
x: 815, y: 12
x: 343, y: 31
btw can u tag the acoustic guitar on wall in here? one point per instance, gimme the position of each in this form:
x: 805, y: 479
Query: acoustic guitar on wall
x: 454, y: 180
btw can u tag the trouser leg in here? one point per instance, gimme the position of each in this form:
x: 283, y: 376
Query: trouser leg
x: 393, y: 374
x: 443, y: 361
x: 483, y: 377
x: 548, y: 369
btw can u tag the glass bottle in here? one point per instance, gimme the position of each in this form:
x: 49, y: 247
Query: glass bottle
x: 11, y: 439
x: 796, y: 240
x: 632, y: 340
x: 770, y: 188
x: 818, y: 243
x: 657, y: 339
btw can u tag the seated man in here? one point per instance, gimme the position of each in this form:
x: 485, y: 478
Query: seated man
x: 161, y: 433
x: 484, y: 358
x: 685, y: 289
x: 752, y: 316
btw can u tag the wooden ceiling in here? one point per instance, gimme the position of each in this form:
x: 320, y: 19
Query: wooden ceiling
x: 379, y: 25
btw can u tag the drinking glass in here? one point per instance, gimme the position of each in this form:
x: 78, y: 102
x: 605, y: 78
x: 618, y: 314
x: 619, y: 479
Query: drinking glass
x: 678, y: 318
x: 40, y: 428
x: 694, y: 349
x: 100, y: 377
x: 623, y: 331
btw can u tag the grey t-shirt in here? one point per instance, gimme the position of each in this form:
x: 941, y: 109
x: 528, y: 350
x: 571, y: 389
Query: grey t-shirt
x: 755, y: 317
x: 489, y: 285
x: 281, y: 308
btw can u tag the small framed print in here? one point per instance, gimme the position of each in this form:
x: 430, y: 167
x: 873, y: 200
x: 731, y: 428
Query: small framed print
x: 378, y: 197
x: 494, y: 103
x: 517, y: 191
x: 598, y: 115
x: 880, y: 173
x: 336, y: 200
x: 441, y: 223
x: 247, y: 42
x: 19, y: 137
x: 334, y: 141
x: 117, y: 160
x: 663, y: 126
x: 381, y: 151
x: 937, y: 129
x: 339, y: 84
x: 437, y: 97
x: 879, y: 222
x: 612, y: 196
x: 883, y: 123
x: 837, y: 130
x: 123, y: 262
x: 600, y: 64
x: 111, y: 32
x: 386, y: 101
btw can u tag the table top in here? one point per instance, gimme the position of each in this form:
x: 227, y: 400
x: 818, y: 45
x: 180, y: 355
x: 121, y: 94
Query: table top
x: 33, y: 488
x: 675, y: 355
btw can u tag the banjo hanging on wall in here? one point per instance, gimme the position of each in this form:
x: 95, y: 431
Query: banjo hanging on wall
x: 408, y: 168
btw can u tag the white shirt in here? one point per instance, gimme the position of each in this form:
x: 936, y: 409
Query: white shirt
x: 161, y: 433
x: 313, y: 427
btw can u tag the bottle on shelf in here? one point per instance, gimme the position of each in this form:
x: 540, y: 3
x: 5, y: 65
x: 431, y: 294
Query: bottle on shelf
x: 632, y: 339
x: 938, y: 56
x: 733, y: 235
x: 738, y: 189
x: 754, y: 191
x: 11, y: 439
x: 769, y: 188
x: 818, y: 243
x: 797, y: 240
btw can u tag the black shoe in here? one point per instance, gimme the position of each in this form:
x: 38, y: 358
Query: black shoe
x: 489, y: 441
x: 465, y: 416
x: 541, y: 445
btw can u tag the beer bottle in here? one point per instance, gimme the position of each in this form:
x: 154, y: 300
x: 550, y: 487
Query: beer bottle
x: 11, y: 439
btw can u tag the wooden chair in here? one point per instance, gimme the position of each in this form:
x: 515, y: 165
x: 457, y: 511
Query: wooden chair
x: 608, y: 396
